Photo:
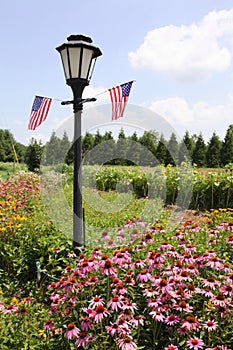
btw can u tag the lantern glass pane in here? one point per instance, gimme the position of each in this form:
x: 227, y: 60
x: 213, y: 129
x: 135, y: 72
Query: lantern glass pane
x: 64, y: 58
x: 86, y: 63
x: 74, y: 55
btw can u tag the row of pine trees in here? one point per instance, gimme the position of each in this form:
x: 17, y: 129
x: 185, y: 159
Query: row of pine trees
x: 150, y: 149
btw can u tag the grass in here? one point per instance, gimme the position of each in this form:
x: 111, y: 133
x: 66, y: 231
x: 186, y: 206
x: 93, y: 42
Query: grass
x: 10, y: 168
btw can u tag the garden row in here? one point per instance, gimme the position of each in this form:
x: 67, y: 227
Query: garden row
x: 174, y: 185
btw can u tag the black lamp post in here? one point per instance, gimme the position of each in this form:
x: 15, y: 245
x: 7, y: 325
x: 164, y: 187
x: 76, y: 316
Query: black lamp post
x: 78, y: 58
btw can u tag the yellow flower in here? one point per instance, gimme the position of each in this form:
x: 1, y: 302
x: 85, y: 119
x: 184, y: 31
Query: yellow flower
x: 17, y: 225
x: 14, y: 300
x: 41, y: 333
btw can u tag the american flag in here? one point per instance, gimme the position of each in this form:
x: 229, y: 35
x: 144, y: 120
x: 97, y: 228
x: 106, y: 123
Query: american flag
x: 119, y: 97
x: 39, y: 112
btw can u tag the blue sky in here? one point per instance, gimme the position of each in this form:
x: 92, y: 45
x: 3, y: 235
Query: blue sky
x: 178, y: 51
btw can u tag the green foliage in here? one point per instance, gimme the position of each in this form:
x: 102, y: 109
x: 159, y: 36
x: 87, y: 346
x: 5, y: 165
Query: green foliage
x: 199, y: 152
x: 207, y: 189
x: 33, y: 155
x: 227, y: 147
x: 213, y: 152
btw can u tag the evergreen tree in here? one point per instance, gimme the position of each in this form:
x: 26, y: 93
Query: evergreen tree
x: 98, y: 138
x: 121, y: 149
x: 2, y: 149
x: 87, y: 143
x: 52, y: 150
x: 227, y: 147
x: 186, y: 149
x: 172, y: 152
x: 147, y: 153
x: 108, y: 148
x: 161, y: 150
x: 199, y: 152
x: 213, y: 152
x: 8, y: 142
x: 10, y: 150
x: 33, y: 155
x: 65, y: 145
x: 134, y: 137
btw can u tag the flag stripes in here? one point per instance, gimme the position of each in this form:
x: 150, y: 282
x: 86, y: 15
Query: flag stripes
x: 119, y: 96
x: 39, y: 112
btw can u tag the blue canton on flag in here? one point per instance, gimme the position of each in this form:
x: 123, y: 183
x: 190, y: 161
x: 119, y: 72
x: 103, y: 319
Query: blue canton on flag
x: 119, y: 97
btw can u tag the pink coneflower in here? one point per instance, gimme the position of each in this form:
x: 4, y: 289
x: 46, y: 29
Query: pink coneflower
x: 130, y: 306
x: 144, y: 276
x: 206, y: 292
x: 165, y: 246
x: 113, y: 329
x: 187, y: 258
x: 162, y: 286
x: 149, y: 292
x: 123, y: 325
x: 115, y: 303
x: 96, y: 301
x: 226, y: 268
x: 72, y: 255
x: 139, y: 264
x: 211, y: 282
x: 137, y: 320
x: 157, y: 315
x: 56, y: 250
x: 119, y: 259
x: 219, y: 300
x: 48, y: 324
x: 10, y: 309
x: 190, y: 249
x: 104, y: 235
x: 153, y: 303
x: 90, y: 312
x: 120, y: 289
x: 159, y: 257
x: 210, y: 325
x: 108, y: 269
x: 148, y: 238
x: 180, y: 294
x: 195, y: 343
x: 126, y: 343
x: 214, y: 263
x: 171, y: 347
x: 86, y: 323
x: 191, y: 323
x: 111, y: 244
x: 183, y: 306
x: 83, y: 339
x: 129, y: 281
x: 100, y: 313
x: 227, y: 289
x: 93, y: 280
x: 171, y: 320
x: 72, y: 331
x: 184, y: 276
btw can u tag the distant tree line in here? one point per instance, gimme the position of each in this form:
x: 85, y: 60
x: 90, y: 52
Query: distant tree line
x: 150, y: 149
x: 10, y: 149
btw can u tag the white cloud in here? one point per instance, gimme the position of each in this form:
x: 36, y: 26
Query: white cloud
x: 189, y: 52
x: 196, y: 118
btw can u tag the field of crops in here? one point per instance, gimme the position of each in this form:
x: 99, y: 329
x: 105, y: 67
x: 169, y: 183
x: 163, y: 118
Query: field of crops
x: 140, y: 283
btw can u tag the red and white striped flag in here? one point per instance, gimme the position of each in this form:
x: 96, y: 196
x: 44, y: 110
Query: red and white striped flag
x: 119, y: 96
x: 39, y: 112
